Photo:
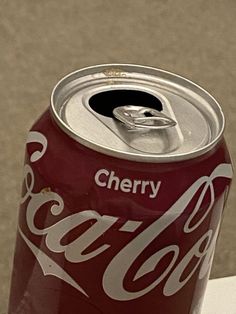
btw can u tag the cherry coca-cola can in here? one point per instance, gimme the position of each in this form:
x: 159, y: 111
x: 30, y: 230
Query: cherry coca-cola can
x: 125, y: 180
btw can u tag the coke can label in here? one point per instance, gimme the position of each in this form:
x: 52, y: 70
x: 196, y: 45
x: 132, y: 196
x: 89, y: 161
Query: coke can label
x: 121, y: 207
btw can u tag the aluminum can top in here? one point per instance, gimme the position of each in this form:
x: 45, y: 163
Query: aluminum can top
x: 137, y: 113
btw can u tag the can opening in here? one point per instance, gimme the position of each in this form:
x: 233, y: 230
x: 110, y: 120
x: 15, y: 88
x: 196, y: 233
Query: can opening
x: 104, y: 103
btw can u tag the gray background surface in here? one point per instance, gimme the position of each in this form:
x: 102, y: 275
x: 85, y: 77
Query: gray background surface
x: 40, y: 41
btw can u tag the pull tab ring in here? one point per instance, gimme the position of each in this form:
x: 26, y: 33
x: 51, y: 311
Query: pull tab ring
x: 138, y: 117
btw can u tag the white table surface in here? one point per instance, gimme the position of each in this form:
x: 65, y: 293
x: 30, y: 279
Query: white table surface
x: 220, y: 296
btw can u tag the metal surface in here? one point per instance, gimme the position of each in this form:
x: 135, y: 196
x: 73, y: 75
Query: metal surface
x: 190, y: 123
x: 137, y: 117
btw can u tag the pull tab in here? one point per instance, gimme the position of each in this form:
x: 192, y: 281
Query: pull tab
x: 138, y: 117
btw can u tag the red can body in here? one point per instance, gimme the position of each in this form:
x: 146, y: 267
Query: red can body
x: 93, y: 240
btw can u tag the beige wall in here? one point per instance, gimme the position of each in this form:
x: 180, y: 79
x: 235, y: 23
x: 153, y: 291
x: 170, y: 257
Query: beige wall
x: 42, y: 40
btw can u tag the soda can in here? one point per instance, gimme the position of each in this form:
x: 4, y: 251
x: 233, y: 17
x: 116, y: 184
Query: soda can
x: 125, y: 180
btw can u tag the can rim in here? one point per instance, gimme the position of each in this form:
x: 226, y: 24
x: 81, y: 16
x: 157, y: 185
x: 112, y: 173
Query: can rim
x: 151, y: 158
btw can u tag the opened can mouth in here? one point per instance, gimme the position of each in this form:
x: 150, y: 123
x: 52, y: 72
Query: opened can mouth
x: 137, y: 113
x: 135, y: 108
x: 105, y: 102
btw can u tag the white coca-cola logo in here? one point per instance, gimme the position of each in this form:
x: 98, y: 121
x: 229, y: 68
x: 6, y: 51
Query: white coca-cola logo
x: 118, y: 267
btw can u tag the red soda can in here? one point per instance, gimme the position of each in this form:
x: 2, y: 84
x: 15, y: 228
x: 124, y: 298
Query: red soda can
x: 125, y: 180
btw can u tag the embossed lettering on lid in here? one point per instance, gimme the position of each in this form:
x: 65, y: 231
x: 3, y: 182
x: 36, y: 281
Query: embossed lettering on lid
x: 137, y: 113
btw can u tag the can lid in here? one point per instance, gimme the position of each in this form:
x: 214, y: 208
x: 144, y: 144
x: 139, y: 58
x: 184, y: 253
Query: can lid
x: 137, y: 113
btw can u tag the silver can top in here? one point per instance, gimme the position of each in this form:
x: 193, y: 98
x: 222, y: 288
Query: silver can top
x: 137, y: 113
